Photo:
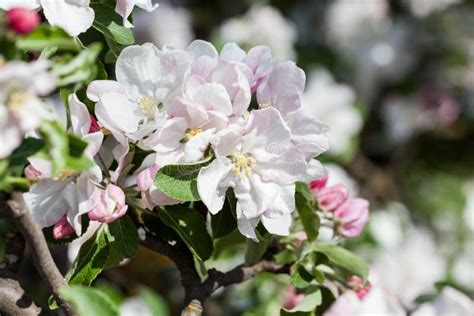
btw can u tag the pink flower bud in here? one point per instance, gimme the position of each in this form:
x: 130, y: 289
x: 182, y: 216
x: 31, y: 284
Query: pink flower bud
x: 299, y: 238
x: 62, y: 229
x: 330, y: 198
x: 353, y: 215
x: 318, y: 184
x: 94, y: 125
x: 32, y: 173
x: 145, y: 178
x: 22, y: 21
x: 111, y: 205
x: 292, y: 298
x: 358, y: 286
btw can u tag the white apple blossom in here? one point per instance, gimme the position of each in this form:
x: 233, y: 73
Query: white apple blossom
x: 423, y: 8
x: 257, y: 27
x: 262, y: 166
x: 333, y: 104
x: 450, y: 302
x: 76, y: 16
x: 21, y: 110
x: 67, y: 194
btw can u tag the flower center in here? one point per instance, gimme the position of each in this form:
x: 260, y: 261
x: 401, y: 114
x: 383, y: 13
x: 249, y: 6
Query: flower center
x: 65, y: 173
x: 242, y: 165
x: 190, y: 133
x: 2, y: 61
x: 148, y: 104
x: 17, y: 99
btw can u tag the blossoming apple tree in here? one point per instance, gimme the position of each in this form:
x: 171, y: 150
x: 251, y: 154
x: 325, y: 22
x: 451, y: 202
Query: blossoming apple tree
x: 168, y: 149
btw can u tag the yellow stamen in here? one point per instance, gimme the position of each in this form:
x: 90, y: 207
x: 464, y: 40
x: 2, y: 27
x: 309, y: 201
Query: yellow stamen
x: 2, y: 61
x: 190, y: 133
x: 148, y: 105
x: 265, y: 105
x: 106, y: 131
x: 65, y: 173
x: 243, y: 165
x: 17, y: 99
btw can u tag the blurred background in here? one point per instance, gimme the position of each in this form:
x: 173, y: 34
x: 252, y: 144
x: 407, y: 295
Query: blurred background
x: 394, y: 80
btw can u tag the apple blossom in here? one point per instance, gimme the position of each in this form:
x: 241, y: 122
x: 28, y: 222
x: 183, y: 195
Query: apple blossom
x: 352, y: 216
x: 330, y: 198
x: 21, y: 109
x: 22, y: 21
x: 262, y: 166
x: 358, y: 286
x: 292, y: 298
x: 111, y: 205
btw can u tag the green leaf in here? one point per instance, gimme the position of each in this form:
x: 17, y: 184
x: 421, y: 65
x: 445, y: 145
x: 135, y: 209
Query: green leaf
x: 344, y: 259
x: 91, y: 260
x: 123, y: 237
x: 311, y: 300
x: 285, y: 257
x: 225, y: 221
x: 46, y: 37
x: 64, y: 150
x: 301, y: 278
x: 255, y: 250
x: 308, y: 216
x: 155, y: 303
x: 191, y: 227
x: 109, y: 23
x: 180, y: 181
x: 18, y: 159
x: 89, y: 301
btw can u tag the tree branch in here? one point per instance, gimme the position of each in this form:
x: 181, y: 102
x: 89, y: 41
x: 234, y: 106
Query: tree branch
x: 14, y: 301
x: 34, y: 237
x: 198, y: 292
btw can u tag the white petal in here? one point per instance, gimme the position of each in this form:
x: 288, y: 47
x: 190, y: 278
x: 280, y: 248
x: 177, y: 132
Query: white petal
x: 125, y: 8
x: 27, y: 4
x: 139, y: 69
x: 74, y: 16
x: 201, y: 48
x: 310, y: 135
x: 279, y: 225
x: 247, y: 226
x: 213, y: 96
x: 98, y: 87
x: 80, y: 119
x: 115, y: 111
x: 209, y: 184
x: 232, y: 52
x: 287, y: 168
x: 49, y: 200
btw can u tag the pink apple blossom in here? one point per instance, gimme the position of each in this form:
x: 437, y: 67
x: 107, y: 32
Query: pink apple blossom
x: 352, y: 216
x: 111, y: 205
x: 292, y: 298
x: 330, y: 198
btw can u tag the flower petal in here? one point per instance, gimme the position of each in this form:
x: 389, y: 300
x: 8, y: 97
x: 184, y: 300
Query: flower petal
x: 210, y: 183
x: 73, y: 16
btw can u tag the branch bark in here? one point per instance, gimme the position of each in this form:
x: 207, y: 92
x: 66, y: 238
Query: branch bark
x: 14, y: 301
x: 42, y: 258
x: 198, y: 292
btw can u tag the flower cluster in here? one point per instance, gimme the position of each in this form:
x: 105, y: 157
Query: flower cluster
x: 349, y: 215
x: 177, y: 104
x: 76, y: 16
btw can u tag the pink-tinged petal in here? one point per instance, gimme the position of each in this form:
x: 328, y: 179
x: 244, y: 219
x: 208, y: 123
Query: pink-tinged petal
x: 22, y: 21
x: 299, y: 238
x: 212, y: 96
x: 94, y: 141
x: 318, y: 184
x: 283, y: 88
x: 232, y: 52
x: 259, y: 59
x: 330, y: 198
x: 62, y: 229
x: 203, y: 67
x: 145, y: 178
x: 74, y: 17
x: 42, y: 166
x: 98, y: 87
x: 111, y: 206
x: 169, y: 137
x: 285, y: 169
x: 158, y: 198
x: 268, y: 136
x: 292, y: 298
x: 210, y: 183
x: 202, y: 48
x: 31, y: 172
x: 353, y: 215
x: 310, y: 135
x: 94, y: 128
x: 125, y: 7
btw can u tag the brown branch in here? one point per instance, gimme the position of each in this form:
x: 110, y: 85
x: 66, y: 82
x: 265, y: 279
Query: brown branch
x: 42, y: 258
x: 198, y: 292
x: 13, y: 299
